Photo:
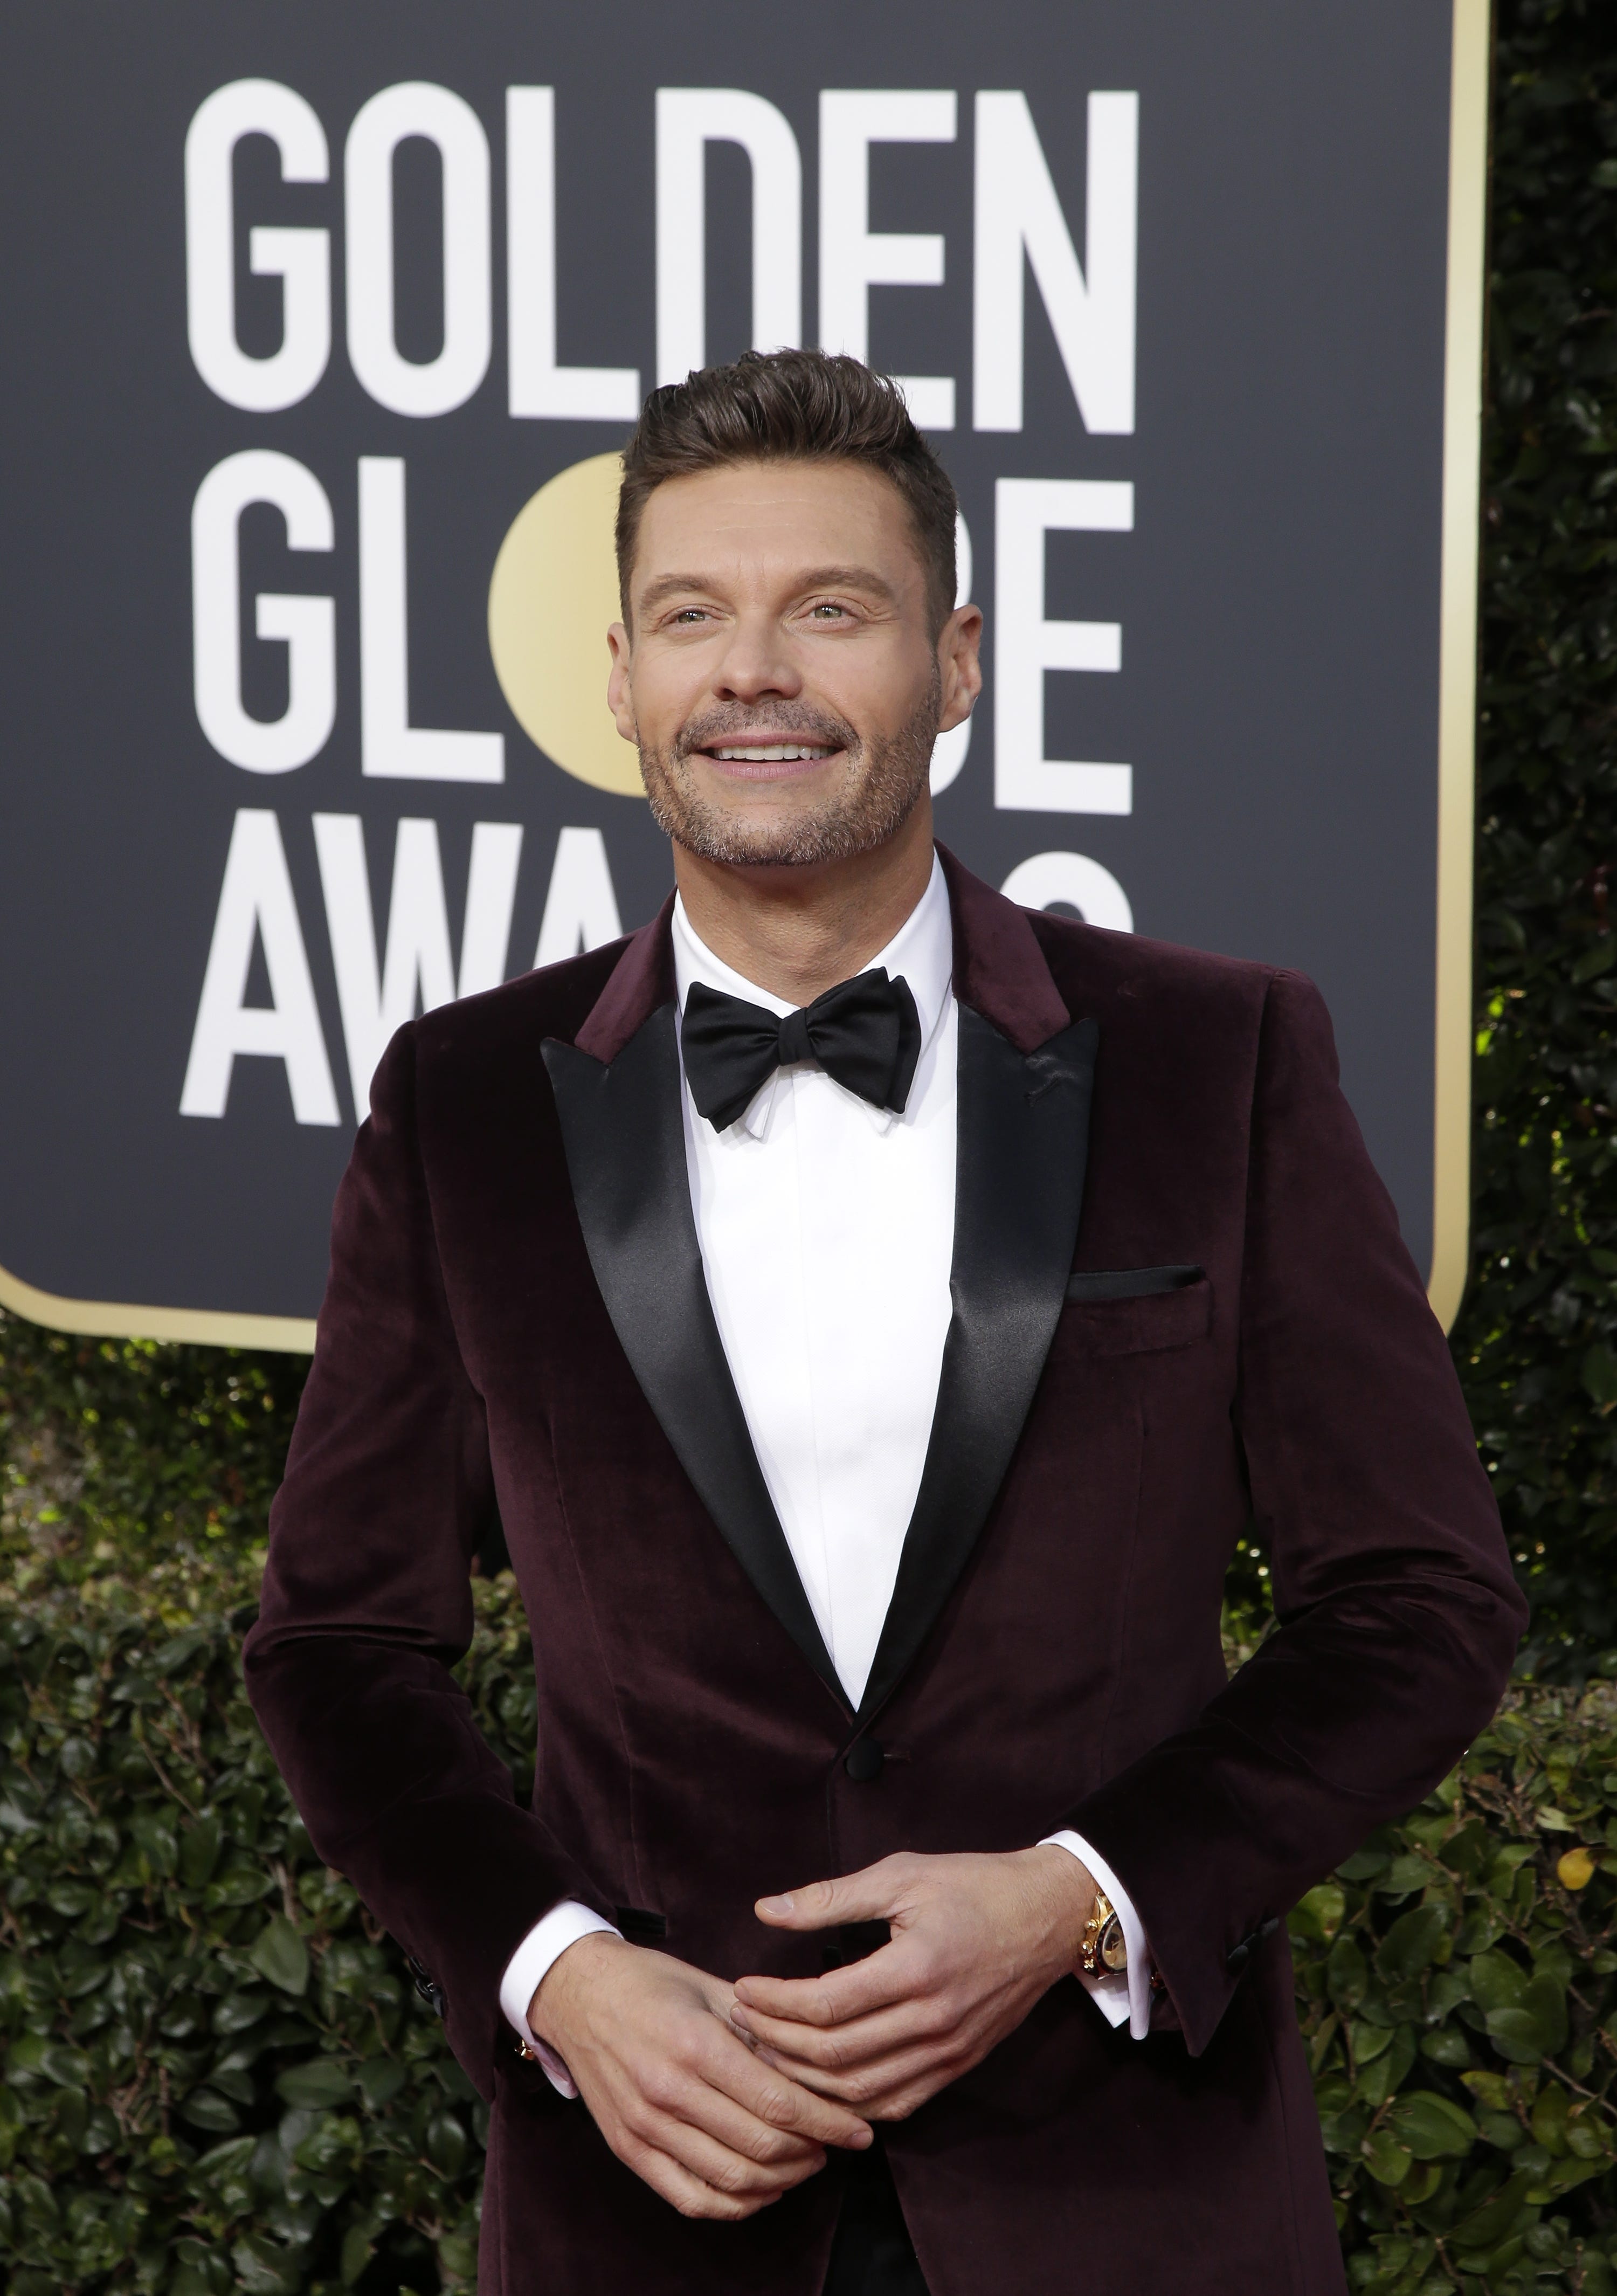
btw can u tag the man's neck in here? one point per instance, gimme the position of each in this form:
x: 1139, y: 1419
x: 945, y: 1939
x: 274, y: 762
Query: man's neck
x: 796, y: 932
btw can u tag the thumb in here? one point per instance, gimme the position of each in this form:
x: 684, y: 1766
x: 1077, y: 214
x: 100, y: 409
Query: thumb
x: 871, y: 1895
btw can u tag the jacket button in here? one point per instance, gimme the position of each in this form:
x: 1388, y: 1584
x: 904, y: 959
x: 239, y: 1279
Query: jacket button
x: 863, y: 1761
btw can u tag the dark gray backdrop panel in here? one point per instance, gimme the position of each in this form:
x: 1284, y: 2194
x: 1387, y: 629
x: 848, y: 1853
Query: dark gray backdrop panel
x: 1278, y: 596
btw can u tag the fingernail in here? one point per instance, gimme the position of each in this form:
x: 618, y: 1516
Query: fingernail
x: 774, y: 1904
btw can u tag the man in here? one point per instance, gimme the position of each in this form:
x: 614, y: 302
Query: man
x: 875, y: 1312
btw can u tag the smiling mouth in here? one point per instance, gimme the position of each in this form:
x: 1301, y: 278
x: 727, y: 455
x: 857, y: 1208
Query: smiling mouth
x: 771, y: 753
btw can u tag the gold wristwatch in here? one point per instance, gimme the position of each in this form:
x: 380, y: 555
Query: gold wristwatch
x: 1103, y: 1950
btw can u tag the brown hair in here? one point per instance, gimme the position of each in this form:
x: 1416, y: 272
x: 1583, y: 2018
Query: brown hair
x: 781, y: 407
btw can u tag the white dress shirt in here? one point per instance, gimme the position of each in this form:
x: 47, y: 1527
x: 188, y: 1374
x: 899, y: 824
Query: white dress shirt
x: 826, y: 1234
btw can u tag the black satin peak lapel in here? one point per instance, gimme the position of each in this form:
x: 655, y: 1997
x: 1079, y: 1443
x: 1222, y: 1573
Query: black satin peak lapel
x: 622, y: 1129
x: 1023, y: 1124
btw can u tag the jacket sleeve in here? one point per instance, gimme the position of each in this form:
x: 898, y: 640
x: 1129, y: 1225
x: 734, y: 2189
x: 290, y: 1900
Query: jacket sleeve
x: 367, y: 1604
x: 1397, y: 1613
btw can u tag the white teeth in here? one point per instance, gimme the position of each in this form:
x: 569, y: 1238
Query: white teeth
x: 779, y: 753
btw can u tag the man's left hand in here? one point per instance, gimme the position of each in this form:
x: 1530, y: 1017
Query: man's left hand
x: 976, y: 1940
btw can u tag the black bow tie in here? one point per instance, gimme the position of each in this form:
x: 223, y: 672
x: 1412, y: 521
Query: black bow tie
x: 865, y: 1032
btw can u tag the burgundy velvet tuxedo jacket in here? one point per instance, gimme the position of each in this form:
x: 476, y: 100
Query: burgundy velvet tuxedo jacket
x: 517, y: 1316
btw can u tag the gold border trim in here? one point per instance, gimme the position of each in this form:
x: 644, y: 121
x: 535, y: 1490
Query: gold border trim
x: 1465, y: 296
x: 1457, y: 653
x: 106, y: 1319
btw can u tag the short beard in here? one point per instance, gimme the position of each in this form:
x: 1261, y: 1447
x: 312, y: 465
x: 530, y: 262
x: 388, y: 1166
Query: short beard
x: 883, y: 788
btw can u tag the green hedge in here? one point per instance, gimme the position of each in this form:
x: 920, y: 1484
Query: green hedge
x: 1536, y: 1340
x: 218, y: 2074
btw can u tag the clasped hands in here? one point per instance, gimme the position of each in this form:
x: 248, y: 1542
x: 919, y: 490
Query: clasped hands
x: 722, y: 2097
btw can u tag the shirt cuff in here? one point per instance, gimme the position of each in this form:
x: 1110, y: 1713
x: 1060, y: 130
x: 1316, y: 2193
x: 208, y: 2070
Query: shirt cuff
x: 528, y: 1967
x: 1120, y: 1993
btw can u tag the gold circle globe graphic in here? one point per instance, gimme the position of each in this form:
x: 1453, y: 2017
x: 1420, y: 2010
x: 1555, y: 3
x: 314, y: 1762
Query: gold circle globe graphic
x: 551, y: 599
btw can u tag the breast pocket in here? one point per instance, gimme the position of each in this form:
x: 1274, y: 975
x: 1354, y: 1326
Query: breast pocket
x: 1122, y: 1311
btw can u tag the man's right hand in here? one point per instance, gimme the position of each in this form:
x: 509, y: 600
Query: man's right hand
x: 678, y: 2095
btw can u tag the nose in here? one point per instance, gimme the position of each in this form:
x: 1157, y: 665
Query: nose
x: 757, y: 664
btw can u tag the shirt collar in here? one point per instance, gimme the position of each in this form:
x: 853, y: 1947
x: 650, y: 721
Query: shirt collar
x: 920, y: 952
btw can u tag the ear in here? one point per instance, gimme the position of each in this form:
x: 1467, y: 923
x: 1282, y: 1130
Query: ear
x: 959, y: 649
x: 619, y: 701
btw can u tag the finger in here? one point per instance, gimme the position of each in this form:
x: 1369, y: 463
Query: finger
x: 734, y: 2173
x: 887, y: 2088
x: 689, y: 2194
x: 772, y: 2098
x: 715, y: 2113
x: 841, y: 2048
x: 871, y: 1895
x: 892, y: 1973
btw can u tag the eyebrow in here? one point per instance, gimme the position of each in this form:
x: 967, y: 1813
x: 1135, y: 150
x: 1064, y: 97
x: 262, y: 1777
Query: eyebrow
x: 819, y: 578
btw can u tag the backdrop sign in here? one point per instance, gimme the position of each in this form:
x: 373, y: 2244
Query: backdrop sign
x: 324, y: 328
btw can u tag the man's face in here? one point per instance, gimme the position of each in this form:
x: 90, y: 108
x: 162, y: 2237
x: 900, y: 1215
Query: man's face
x: 783, y: 682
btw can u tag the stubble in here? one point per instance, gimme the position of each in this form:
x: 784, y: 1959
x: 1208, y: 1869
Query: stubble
x: 881, y: 784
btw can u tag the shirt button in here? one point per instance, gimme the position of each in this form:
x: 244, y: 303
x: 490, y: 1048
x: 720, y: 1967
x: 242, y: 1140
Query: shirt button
x: 863, y: 1761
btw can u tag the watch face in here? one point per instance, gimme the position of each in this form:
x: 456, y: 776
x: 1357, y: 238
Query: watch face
x: 1113, y: 1946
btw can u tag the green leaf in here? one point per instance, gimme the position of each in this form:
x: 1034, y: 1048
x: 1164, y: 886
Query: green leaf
x: 279, y: 1953
x: 1599, y: 1373
x: 223, y: 2160
x: 446, y: 2144
x: 1446, y: 1990
x: 1545, y: 1999
x: 1388, y: 2161
x: 318, y: 2086
x: 1388, y: 2072
x: 1343, y: 2131
x: 458, y: 2255
x: 1549, y: 2119
x: 1497, y: 1981
x: 1589, y: 2139
x: 381, y: 2079
x: 1403, y: 1875
x: 266, y: 2269
x: 325, y: 2148
x: 205, y: 2108
x: 357, y: 2249
x: 238, y: 1886
x: 72, y: 1898
x: 199, y: 1851
x: 50, y: 2060
x: 1465, y: 1849
x: 1347, y: 1974
x: 1432, y: 2127
x: 177, y: 1652
x: 153, y: 1835
x: 1489, y: 2223
x: 1411, y: 1944
x: 1319, y: 1914
x: 1596, y: 960
x: 1368, y: 2042
x: 238, y: 2010
x: 1518, y: 2036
